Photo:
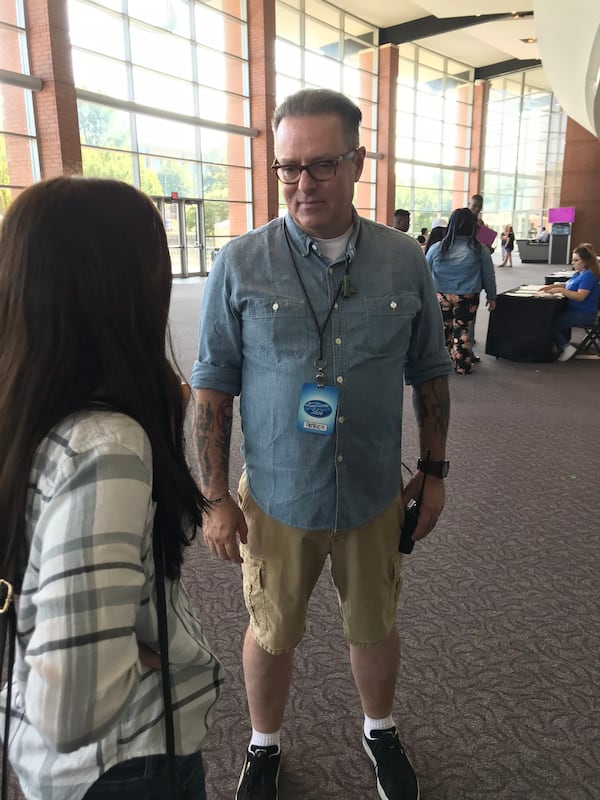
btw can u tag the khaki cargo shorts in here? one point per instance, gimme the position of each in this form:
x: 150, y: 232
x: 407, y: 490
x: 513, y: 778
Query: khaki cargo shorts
x: 282, y: 565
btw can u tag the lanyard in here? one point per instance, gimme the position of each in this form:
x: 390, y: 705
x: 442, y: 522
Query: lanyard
x: 320, y: 362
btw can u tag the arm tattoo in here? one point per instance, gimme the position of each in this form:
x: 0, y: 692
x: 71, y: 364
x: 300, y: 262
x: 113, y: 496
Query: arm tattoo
x: 213, y: 427
x: 224, y: 423
x: 431, y: 401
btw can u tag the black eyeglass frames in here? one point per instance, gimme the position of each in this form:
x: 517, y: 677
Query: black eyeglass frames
x: 323, y: 170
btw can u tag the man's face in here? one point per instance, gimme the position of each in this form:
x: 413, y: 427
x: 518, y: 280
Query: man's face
x: 402, y: 223
x: 321, y: 208
x: 475, y: 206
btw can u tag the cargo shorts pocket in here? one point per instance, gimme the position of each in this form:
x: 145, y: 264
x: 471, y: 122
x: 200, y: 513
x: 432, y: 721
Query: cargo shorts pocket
x: 253, y: 585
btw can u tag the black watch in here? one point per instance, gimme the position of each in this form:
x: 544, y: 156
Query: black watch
x: 439, y: 469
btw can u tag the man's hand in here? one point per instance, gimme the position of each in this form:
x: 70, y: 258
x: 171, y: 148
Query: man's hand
x: 432, y: 504
x: 224, y: 527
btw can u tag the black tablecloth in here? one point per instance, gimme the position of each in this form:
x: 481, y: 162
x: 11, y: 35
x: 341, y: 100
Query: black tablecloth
x: 520, y: 328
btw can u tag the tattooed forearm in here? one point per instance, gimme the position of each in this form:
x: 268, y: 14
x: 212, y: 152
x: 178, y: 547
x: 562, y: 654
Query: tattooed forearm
x: 212, y: 431
x: 224, y: 422
x: 203, y: 425
x: 431, y: 401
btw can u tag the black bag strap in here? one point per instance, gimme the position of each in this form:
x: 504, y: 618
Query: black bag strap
x: 8, y: 635
x: 163, y: 639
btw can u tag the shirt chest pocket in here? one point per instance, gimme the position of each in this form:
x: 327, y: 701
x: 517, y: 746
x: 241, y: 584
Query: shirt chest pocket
x: 276, y: 328
x: 389, y: 322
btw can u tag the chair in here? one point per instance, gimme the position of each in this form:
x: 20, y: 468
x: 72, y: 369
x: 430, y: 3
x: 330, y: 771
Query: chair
x: 591, y: 340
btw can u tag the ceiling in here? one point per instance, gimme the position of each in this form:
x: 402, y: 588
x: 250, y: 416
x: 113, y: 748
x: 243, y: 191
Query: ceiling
x: 481, y: 33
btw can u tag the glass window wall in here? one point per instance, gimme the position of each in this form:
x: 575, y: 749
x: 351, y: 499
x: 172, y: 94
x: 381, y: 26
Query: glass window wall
x: 320, y: 45
x: 176, y: 60
x: 434, y: 99
x: 523, y: 153
x: 19, y: 158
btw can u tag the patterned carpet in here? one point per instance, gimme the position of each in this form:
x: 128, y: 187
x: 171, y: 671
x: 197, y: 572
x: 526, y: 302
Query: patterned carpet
x: 499, y: 691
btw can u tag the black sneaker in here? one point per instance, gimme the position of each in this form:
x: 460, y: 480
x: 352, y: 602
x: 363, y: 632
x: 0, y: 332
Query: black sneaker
x: 396, y: 779
x: 260, y: 774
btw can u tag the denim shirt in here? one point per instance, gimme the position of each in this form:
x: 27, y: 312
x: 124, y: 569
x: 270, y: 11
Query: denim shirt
x: 461, y: 270
x: 258, y: 339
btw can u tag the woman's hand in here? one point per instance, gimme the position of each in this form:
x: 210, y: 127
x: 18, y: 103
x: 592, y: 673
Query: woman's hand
x: 553, y: 288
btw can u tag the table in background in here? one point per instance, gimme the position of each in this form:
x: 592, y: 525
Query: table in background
x: 520, y: 327
x: 560, y: 276
x: 532, y: 252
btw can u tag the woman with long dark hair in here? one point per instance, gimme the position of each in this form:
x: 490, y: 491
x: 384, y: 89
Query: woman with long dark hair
x: 92, y: 469
x: 461, y: 267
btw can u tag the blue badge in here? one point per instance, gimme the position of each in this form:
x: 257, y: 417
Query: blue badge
x: 317, y: 409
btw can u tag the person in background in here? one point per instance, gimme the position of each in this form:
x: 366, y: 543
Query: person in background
x: 92, y: 472
x: 302, y: 317
x: 401, y: 220
x: 424, y: 232
x: 583, y: 295
x: 503, y: 242
x: 461, y: 267
x: 475, y: 207
x: 508, y: 246
x: 543, y: 235
x: 436, y: 235
x: 421, y: 240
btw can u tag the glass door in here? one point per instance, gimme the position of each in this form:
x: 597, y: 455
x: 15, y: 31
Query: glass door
x: 184, y: 224
x: 172, y: 220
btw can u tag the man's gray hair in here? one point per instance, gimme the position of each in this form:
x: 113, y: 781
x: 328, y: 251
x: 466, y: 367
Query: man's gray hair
x: 309, y: 102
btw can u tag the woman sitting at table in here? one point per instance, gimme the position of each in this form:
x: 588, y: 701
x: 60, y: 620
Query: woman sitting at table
x: 583, y: 297
x: 461, y: 266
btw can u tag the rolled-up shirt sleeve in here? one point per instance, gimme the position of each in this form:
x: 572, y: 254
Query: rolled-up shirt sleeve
x: 219, y: 362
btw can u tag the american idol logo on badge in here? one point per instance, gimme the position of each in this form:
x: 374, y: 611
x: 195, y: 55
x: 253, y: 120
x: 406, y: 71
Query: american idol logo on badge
x: 317, y: 408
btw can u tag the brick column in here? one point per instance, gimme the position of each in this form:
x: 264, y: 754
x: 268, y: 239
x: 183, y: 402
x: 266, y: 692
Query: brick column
x: 479, y: 104
x: 261, y: 53
x: 18, y: 171
x: 579, y: 186
x: 386, y: 134
x: 56, y: 105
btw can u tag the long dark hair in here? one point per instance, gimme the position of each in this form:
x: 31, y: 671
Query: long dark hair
x: 462, y: 222
x: 85, y: 285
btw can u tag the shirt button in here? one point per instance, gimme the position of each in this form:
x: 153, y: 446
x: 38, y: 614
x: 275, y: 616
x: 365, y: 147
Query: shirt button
x: 340, y: 458
x: 339, y: 379
x: 330, y: 270
x: 313, y: 247
x: 335, y: 305
x: 341, y: 420
x: 275, y: 306
x: 393, y: 304
x: 338, y: 340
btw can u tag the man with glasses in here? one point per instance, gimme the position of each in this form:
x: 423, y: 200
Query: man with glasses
x: 316, y: 319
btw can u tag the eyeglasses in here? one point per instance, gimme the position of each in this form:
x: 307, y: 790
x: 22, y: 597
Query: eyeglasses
x: 323, y: 170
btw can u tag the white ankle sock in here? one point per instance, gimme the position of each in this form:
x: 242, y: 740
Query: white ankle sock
x: 377, y: 724
x: 265, y: 739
